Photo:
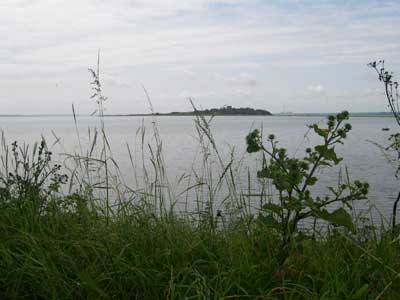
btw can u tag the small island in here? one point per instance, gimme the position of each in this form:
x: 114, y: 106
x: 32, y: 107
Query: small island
x: 229, y: 111
x: 223, y: 111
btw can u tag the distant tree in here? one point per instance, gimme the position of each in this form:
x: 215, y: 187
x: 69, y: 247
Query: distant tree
x: 229, y: 110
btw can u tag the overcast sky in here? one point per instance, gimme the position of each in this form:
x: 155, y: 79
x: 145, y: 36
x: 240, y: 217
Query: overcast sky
x: 301, y: 56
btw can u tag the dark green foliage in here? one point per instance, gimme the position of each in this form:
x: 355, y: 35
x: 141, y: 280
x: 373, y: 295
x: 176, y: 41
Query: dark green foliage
x: 253, y: 141
x: 292, y: 177
x: 223, y: 111
x: 229, y: 110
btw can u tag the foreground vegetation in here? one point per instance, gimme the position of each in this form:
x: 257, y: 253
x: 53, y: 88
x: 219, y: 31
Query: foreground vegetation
x: 139, y: 256
x: 76, y: 230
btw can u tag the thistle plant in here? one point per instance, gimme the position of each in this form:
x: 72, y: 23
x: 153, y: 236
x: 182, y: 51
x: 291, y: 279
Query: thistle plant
x: 293, y: 178
x: 29, y: 178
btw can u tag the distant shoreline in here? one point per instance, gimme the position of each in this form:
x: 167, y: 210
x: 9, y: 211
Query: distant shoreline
x: 185, y: 114
x: 354, y: 114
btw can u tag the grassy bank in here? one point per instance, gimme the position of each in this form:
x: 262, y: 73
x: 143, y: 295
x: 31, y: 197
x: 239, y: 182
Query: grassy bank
x: 136, y: 255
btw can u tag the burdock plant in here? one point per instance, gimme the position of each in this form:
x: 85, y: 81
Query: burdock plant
x: 293, y: 177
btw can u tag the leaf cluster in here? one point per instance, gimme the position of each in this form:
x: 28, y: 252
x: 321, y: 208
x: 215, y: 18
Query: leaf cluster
x: 293, y: 178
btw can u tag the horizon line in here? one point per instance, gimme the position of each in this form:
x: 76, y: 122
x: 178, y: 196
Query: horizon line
x: 161, y: 114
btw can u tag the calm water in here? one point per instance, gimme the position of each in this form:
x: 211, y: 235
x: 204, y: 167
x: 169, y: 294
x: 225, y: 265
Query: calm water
x: 363, y: 159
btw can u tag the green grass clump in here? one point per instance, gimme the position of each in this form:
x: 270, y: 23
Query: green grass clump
x: 135, y: 255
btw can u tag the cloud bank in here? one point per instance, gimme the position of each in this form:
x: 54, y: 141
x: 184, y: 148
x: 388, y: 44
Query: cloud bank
x: 219, y: 51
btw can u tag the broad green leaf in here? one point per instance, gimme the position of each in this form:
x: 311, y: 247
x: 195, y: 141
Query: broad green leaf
x: 330, y: 154
x: 312, y: 180
x: 339, y: 217
x: 320, y: 131
x: 320, y: 149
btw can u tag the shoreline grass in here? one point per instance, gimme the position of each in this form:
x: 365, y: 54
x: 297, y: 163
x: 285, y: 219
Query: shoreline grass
x: 137, y: 255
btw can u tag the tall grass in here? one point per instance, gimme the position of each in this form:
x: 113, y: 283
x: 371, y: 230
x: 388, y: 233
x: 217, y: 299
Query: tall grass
x: 137, y: 255
x: 99, y: 236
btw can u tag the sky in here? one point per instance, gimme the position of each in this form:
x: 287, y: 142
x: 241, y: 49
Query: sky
x: 298, y: 56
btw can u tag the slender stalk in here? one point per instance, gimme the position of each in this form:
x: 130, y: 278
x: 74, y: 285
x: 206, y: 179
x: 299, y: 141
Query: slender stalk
x: 394, y: 213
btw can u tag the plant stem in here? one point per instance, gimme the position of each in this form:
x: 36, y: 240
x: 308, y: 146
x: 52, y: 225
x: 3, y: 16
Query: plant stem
x: 395, y: 213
